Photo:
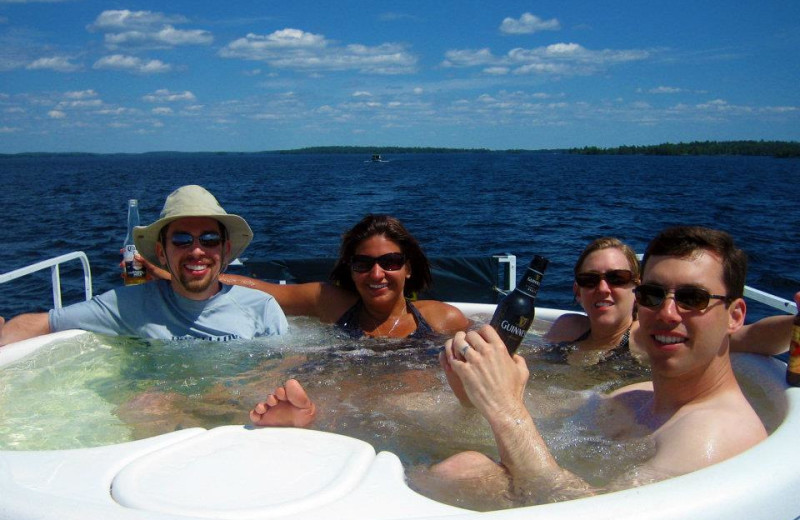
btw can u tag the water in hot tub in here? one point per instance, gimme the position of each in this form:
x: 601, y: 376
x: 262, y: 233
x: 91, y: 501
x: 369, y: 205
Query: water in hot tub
x: 95, y: 390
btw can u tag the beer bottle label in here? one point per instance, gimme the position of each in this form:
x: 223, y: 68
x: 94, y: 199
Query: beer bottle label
x: 530, y: 282
x: 133, y: 268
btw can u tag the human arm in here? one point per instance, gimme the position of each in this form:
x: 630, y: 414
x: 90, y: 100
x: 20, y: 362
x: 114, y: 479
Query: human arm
x: 767, y: 336
x: 321, y: 300
x: 494, y: 383
x: 23, y: 326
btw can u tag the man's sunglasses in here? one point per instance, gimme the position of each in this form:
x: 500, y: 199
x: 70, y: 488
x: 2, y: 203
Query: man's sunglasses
x: 688, y: 297
x: 614, y: 278
x: 388, y: 262
x: 183, y: 239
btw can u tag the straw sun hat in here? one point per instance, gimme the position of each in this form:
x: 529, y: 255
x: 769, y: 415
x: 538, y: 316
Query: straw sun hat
x: 192, y: 201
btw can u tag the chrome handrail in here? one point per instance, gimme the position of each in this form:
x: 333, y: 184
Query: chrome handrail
x: 55, y: 274
x: 789, y: 307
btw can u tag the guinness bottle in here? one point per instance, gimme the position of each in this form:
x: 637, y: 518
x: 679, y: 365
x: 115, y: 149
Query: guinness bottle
x: 793, y: 366
x: 134, y: 270
x: 514, y: 314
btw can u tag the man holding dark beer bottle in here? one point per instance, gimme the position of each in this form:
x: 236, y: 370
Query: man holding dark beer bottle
x: 690, y: 302
x: 194, y: 239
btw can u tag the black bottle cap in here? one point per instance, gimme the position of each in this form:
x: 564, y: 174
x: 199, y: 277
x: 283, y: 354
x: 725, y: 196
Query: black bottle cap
x: 539, y: 263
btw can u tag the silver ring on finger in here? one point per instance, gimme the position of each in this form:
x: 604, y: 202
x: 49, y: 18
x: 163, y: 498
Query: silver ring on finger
x: 464, y: 350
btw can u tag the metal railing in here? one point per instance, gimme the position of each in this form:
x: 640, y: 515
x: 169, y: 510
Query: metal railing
x: 507, y: 261
x: 55, y: 274
x: 773, y: 301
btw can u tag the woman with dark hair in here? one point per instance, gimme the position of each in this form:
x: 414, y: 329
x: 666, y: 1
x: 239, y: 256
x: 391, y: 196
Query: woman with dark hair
x: 381, y: 266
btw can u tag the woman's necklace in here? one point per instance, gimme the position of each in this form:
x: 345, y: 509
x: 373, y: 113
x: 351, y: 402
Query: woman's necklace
x: 375, y: 324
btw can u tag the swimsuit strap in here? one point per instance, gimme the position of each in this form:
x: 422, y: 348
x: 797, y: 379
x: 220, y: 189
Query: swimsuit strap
x: 423, y: 327
x: 349, y: 321
x: 623, y: 341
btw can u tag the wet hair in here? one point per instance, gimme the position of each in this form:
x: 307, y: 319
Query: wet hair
x: 610, y: 243
x: 393, y: 229
x: 688, y: 241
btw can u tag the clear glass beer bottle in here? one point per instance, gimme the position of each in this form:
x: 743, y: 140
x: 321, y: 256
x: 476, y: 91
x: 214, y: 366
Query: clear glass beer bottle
x: 134, y: 270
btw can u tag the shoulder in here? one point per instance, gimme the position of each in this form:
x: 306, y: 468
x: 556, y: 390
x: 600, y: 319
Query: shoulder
x: 442, y: 317
x: 567, y: 327
x: 700, y: 435
x: 248, y: 296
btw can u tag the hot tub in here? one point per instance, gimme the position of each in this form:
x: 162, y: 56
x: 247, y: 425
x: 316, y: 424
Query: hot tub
x: 239, y: 472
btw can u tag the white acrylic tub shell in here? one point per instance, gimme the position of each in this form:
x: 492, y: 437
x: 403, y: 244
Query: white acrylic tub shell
x: 237, y: 472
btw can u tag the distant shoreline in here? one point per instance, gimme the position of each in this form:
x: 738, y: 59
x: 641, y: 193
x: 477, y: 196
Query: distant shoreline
x: 780, y: 149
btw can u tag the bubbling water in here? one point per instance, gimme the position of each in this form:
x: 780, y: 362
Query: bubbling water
x: 95, y: 390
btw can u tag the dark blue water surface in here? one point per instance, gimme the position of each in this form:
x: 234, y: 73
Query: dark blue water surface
x: 455, y: 204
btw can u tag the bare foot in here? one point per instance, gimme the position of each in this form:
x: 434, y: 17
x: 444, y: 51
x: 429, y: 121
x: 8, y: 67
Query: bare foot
x: 288, y: 405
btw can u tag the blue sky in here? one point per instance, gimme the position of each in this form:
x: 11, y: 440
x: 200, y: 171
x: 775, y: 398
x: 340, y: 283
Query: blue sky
x: 134, y: 76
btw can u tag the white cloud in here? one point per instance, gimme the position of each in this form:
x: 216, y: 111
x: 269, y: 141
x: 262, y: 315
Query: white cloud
x: 528, y: 24
x: 159, y: 111
x: 79, y: 104
x: 131, y: 64
x: 56, y: 63
x: 166, y: 37
x: 469, y: 58
x: 669, y: 90
x: 125, y: 20
x: 665, y: 90
x: 299, y: 50
x: 146, y: 29
x: 56, y: 114
x: 555, y: 59
x: 80, y: 94
x: 496, y: 71
x: 166, y: 96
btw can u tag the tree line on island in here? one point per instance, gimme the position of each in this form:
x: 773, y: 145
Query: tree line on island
x: 764, y: 148
x: 781, y: 149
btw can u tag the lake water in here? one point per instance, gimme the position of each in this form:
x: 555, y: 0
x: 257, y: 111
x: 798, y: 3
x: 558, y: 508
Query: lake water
x: 455, y: 204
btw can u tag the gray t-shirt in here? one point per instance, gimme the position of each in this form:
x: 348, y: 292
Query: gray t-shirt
x: 154, y: 310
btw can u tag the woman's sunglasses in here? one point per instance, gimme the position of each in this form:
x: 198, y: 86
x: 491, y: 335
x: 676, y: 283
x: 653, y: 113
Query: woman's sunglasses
x: 183, y: 239
x: 614, y: 278
x: 687, y: 297
x: 388, y: 262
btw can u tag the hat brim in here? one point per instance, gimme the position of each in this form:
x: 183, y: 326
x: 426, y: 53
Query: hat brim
x: 239, y: 235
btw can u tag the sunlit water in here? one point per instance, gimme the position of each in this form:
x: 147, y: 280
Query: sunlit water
x: 455, y: 204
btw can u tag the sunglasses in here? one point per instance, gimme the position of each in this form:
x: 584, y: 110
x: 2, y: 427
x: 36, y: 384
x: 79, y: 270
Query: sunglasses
x: 614, y: 278
x: 687, y: 297
x: 388, y: 262
x: 183, y: 239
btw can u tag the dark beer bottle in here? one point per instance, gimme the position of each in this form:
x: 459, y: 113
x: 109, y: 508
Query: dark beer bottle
x: 793, y: 366
x: 134, y: 270
x: 514, y: 314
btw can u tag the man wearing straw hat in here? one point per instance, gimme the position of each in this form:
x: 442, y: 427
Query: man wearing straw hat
x: 194, y: 239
